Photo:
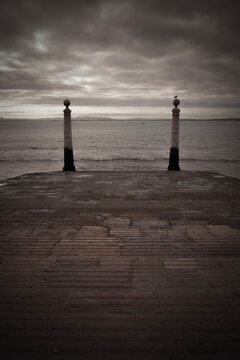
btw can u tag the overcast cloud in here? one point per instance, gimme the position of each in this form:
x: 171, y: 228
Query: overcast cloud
x: 119, y: 58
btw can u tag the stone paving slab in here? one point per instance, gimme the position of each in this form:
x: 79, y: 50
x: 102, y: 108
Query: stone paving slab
x: 120, y: 265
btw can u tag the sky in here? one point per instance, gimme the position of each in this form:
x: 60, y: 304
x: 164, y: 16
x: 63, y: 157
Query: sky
x: 119, y: 59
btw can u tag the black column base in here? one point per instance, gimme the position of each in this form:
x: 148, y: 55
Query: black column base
x: 68, y: 160
x: 174, y: 160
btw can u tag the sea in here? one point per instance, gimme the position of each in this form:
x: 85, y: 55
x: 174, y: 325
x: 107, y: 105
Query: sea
x: 30, y: 146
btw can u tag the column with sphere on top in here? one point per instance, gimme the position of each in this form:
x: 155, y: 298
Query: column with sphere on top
x: 174, y: 150
x: 68, y: 148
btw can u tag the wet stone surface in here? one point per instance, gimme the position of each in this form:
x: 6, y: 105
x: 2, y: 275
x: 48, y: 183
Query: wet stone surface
x: 120, y: 265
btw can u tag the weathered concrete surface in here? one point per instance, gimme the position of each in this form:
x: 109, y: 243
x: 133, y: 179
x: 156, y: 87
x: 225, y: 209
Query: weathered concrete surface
x: 120, y: 265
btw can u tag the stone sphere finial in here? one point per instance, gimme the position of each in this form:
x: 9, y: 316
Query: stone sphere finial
x: 176, y: 102
x: 66, y: 103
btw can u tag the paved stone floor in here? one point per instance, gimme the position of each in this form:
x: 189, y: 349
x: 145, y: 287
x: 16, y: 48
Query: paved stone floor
x: 120, y: 265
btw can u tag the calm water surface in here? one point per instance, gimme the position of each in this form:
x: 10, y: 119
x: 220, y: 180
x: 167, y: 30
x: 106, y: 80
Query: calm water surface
x: 29, y: 146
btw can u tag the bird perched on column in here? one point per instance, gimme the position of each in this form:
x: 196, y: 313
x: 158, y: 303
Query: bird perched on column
x: 175, y: 97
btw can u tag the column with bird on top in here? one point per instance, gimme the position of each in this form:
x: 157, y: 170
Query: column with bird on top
x: 68, y: 149
x: 174, y: 150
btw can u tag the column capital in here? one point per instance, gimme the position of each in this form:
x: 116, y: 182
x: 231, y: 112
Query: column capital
x: 176, y: 102
x: 176, y: 110
x: 67, y: 103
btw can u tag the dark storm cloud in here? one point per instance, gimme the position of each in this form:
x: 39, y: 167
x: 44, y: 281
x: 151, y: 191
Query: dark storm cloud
x: 104, y: 22
x: 121, y: 52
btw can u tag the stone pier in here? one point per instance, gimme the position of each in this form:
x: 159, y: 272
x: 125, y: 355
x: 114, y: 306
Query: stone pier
x: 120, y: 265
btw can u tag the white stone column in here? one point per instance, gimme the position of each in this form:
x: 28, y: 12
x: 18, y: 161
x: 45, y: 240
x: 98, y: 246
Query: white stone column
x: 68, y: 149
x: 174, y: 150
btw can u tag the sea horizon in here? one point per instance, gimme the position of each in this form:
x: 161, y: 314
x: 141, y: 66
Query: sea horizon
x: 100, y: 118
x: 29, y: 146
